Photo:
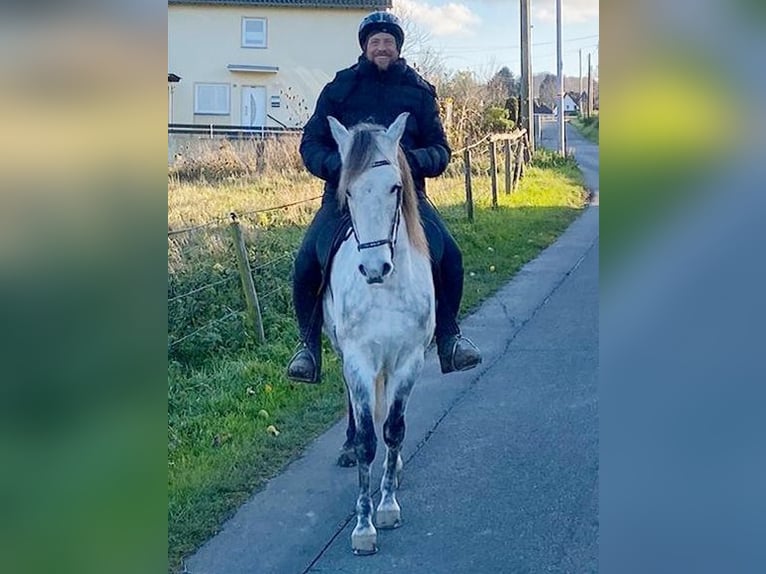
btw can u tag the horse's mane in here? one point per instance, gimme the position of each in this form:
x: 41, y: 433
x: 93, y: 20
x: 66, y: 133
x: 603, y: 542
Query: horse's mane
x: 359, y: 160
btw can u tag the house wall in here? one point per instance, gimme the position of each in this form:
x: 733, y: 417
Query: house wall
x: 569, y: 105
x: 308, y: 45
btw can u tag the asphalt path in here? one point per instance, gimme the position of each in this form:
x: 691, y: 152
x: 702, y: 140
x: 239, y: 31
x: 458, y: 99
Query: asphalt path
x: 501, y: 462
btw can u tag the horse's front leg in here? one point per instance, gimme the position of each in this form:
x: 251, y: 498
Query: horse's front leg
x: 364, y: 537
x: 389, y: 512
x: 347, y: 455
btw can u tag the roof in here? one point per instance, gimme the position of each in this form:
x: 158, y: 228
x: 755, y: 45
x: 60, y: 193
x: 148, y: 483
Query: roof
x: 367, y: 4
x: 542, y: 108
x: 173, y: 77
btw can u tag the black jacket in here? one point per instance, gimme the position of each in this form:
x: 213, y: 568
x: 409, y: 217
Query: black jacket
x: 362, y: 93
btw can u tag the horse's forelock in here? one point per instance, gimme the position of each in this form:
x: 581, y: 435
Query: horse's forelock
x: 363, y: 147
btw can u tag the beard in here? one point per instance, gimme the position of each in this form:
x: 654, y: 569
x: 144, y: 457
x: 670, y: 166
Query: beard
x: 383, y: 60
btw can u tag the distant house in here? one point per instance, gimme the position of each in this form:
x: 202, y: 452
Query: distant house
x: 571, y: 103
x: 257, y: 63
x: 542, y: 109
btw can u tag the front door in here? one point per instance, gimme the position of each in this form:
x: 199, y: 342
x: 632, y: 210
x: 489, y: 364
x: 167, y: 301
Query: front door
x: 253, y: 106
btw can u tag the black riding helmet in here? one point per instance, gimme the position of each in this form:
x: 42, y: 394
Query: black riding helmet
x: 381, y: 22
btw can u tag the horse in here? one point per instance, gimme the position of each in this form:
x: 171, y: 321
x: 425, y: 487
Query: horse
x: 379, y: 308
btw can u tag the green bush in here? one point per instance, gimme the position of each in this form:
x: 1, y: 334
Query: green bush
x: 549, y: 159
x: 495, y: 119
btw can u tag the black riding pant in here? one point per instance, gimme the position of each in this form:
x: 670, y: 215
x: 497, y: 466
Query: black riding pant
x: 446, y: 265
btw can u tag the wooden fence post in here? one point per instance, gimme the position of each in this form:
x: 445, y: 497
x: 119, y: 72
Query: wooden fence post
x: 260, y: 153
x: 519, y: 161
x: 527, y: 156
x: 507, y: 150
x: 248, y: 285
x: 468, y: 190
x: 528, y: 149
x: 493, y: 171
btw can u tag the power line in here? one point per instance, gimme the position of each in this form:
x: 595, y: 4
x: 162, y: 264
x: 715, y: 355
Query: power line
x: 463, y: 49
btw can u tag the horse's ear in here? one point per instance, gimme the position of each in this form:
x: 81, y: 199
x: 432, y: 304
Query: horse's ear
x: 341, y: 136
x: 396, y: 129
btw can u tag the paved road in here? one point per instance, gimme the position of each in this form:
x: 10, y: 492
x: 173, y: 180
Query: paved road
x: 501, y: 463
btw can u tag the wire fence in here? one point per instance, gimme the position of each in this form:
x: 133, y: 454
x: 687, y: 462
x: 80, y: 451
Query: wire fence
x: 210, y: 267
x: 229, y: 277
x: 472, y: 146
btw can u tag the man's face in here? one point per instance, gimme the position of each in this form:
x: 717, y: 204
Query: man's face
x: 381, y: 50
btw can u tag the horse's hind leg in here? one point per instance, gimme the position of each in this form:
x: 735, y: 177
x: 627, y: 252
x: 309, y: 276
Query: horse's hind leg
x: 388, y: 512
x: 347, y: 456
x: 364, y: 537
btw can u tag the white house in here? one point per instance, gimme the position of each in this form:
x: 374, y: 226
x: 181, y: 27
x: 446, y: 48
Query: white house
x: 571, y: 104
x: 257, y: 63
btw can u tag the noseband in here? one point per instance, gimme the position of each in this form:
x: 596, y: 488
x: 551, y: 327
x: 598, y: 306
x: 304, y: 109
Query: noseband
x: 391, y: 240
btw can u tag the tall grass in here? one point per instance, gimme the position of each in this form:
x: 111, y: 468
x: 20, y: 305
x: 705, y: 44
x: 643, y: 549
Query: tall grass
x: 233, y: 419
x: 217, y: 160
x: 587, y: 126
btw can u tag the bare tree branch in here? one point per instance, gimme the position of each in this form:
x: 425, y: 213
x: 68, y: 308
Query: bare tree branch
x: 417, y: 48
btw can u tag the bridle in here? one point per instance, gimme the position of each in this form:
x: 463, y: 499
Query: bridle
x: 391, y: 240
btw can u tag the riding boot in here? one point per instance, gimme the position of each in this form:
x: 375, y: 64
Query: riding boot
x: 305, y: 366
x: 313, y: 255
x: 457, y: 353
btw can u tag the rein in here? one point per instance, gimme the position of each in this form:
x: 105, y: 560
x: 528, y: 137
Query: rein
x: 391, y: 240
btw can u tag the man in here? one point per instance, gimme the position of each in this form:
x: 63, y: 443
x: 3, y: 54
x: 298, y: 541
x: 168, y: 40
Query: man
x: 377, y: 89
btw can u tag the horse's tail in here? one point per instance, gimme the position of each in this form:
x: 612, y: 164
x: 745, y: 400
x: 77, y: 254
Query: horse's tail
x: 380, y: 397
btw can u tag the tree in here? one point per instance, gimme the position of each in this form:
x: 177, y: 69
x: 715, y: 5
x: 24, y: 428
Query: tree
x: 502, y: 86
x: 512, y: 105
x: 430, y: 64
x: 549, y: 90
x: 495, y: 119
x: 417, y: 49
x: 466, y: 96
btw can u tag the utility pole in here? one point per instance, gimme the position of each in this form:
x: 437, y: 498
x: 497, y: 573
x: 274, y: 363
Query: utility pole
x: 579, y: 94
x: 590, y: 88
x: 526, y: 99
x: 560, y: 66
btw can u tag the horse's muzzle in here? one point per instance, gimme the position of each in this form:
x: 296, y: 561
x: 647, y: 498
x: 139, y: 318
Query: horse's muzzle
x: 375, y: 275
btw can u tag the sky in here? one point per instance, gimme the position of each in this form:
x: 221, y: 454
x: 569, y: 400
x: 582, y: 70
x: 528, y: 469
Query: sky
x: 484, y: 35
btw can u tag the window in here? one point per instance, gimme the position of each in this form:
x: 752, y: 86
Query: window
x: 253, y: 32
x: 212, y: 99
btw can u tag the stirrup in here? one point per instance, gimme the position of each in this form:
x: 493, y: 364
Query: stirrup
x: 304, y: 367
x: 458, y: 353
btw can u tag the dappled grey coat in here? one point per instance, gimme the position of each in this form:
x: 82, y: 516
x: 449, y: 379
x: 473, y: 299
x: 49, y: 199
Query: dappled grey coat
x: 362, y: 93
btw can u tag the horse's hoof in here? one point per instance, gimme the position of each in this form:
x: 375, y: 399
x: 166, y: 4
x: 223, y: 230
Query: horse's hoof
x: 347, y: 458
x: 364, y: 543
x: 388, y: 518
x: 360, y: 552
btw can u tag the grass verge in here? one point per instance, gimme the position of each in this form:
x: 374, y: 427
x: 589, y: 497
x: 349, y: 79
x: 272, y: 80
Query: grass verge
x: 233, y: 420
x: 588, y: 127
